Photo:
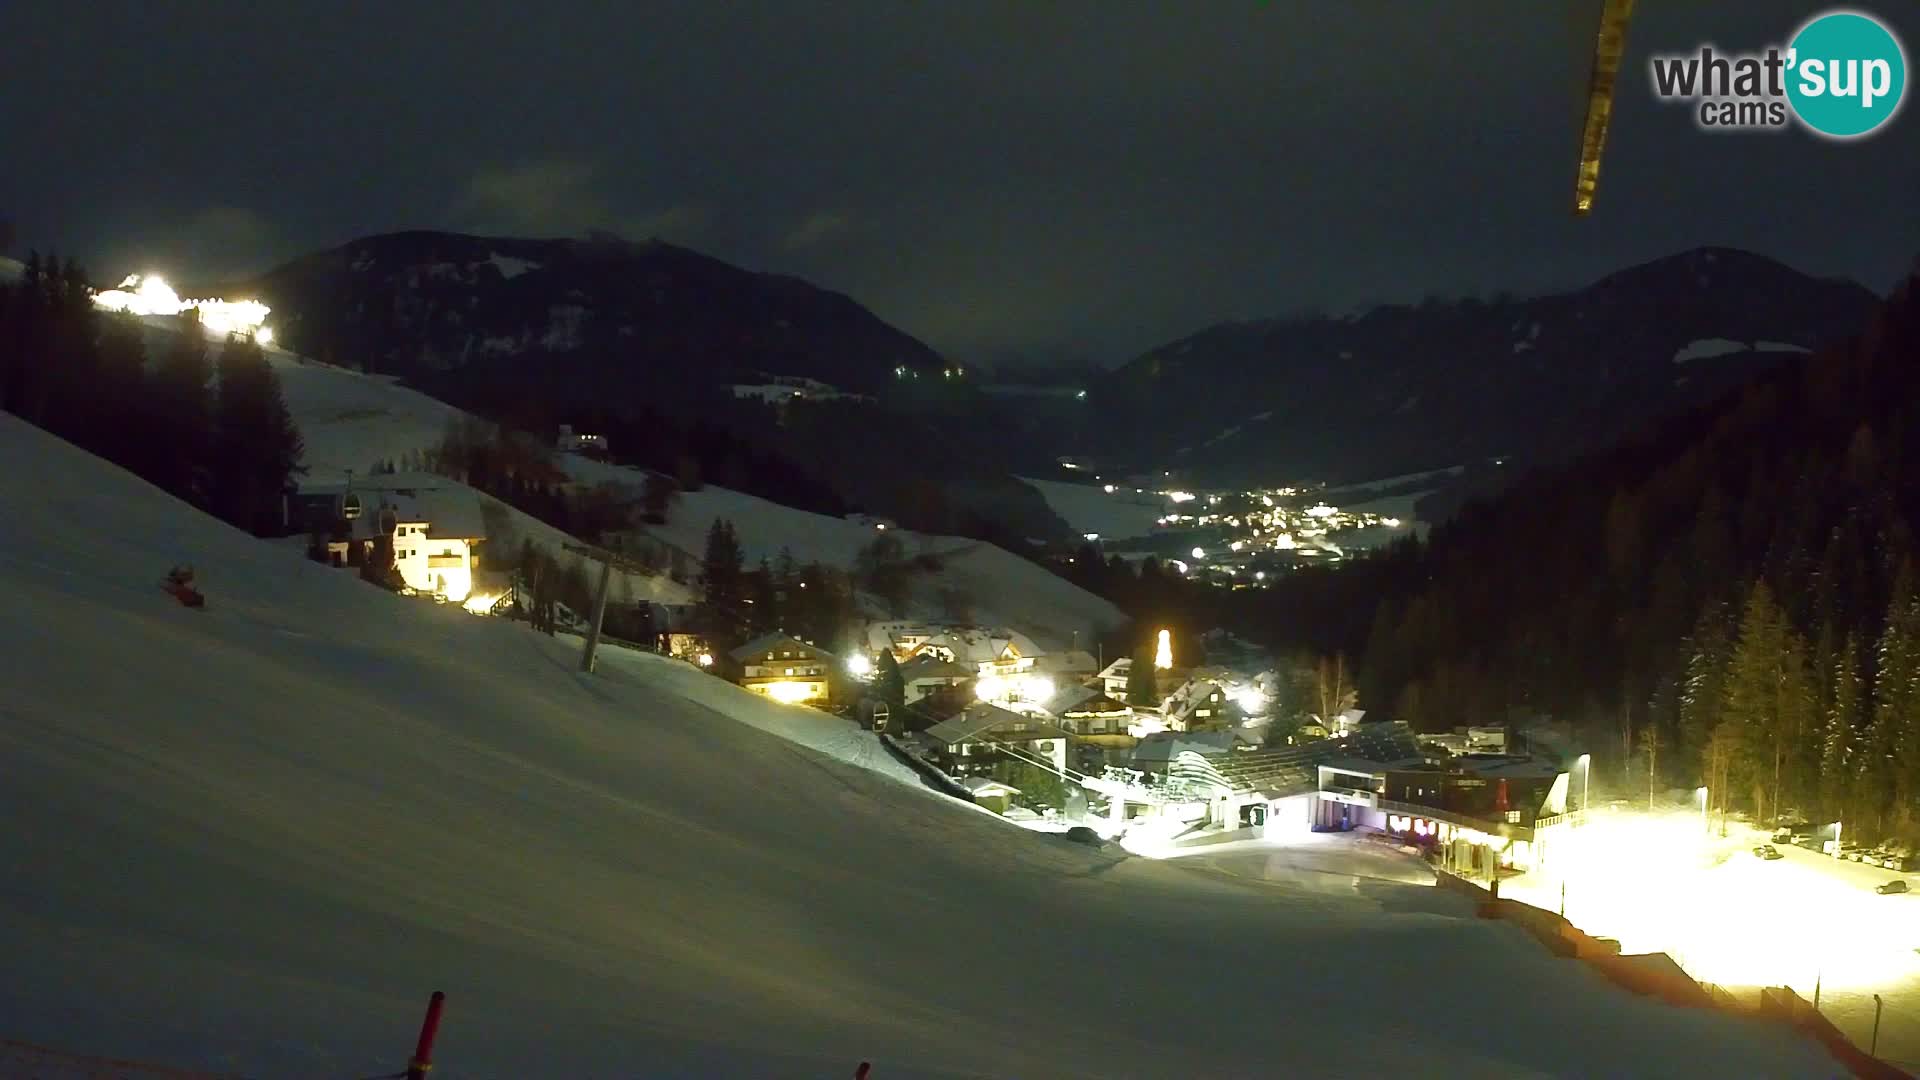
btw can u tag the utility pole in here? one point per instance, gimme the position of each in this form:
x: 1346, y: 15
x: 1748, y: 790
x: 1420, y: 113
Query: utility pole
x: 606, y: 559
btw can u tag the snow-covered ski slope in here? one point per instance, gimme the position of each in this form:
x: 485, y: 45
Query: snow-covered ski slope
x: 349, y: 421
x: 253, y: 837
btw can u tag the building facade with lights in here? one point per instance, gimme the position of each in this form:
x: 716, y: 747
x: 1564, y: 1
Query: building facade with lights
x: 1478, y: 812
x: 983, y: 727
x: 436, y: 534
x: 787, y: 670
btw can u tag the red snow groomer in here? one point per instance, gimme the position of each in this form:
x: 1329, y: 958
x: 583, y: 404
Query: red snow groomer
x: 180, y: 584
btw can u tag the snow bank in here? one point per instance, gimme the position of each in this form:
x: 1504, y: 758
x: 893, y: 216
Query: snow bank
x: 252, y: 837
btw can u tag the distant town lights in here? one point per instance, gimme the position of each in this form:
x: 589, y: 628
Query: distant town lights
x: 1199, y: 553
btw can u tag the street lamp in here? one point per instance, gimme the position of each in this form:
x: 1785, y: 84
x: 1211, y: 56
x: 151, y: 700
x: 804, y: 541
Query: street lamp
x: 1585, y: 761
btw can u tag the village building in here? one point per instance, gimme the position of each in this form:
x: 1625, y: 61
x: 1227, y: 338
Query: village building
x: 1199, y: 705
x: 924, y: 675
x: 435, y: 532
x: 983, y: 727
x: 1092, y: 716
x: 580, y: 442
x: 1156, y: 753
x: 787, y: 670
x: 991, y: 794
x: 1113, y: 678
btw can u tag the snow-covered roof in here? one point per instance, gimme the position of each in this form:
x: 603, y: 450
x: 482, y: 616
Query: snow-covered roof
x: 977, y: 645
x: 932, y: 667
x: 1166, y: 745
x: 766, y: 642
x: 1084, y: 701
x: 1516, y: 768
x: 1119, y: 669
x: 981, y: 718
x: 1192, y: 694
x: 1068, y: 662
x: 447, y: 515
x: 981, y: 785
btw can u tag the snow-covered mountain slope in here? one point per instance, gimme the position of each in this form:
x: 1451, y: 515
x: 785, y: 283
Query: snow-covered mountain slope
x: 349, y: 421
x: 252, y: 837
x: 1120, y: 514
x: 1000, y: 588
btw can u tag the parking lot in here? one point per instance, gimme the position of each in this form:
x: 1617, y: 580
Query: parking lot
x: 1663, y: 882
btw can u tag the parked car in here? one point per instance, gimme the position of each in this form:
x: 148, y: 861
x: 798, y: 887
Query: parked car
x: 1897, y: 885
x: 1783, y: 836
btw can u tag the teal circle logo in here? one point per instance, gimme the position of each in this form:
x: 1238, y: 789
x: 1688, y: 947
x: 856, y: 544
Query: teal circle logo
x: 1847, y: 74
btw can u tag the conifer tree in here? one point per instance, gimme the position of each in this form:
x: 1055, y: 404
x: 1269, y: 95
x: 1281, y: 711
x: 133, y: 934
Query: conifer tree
x: 1838, y: 734
x: 1894, y: 741
x: 258, y: 448
x: 183, y: 414
x: 888, y: 683
x: 1143, y: 679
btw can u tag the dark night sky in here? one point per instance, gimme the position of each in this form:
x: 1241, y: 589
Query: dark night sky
x: 1094, y: 175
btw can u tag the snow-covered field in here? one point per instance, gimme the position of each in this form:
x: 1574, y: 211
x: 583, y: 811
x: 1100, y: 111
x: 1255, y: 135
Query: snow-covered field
x: 1122, y: 514
x: 1003, y: 588
x: 253, y: 837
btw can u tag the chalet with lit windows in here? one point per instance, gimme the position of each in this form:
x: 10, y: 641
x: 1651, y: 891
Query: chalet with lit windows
x: 925, y: 675
x: 1198, y: 705
x: 787, y: 670
x: 984, y: 728
x: 1113, y: 678
x: 989, y: 653
x: 1091, y: 716
x: 435, y: 532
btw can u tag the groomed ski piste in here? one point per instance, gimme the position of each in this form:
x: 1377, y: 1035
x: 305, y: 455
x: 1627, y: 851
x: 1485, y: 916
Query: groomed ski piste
x: 250, y: 838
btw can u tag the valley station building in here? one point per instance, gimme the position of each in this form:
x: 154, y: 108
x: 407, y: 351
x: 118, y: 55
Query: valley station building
x: 1477, y: 812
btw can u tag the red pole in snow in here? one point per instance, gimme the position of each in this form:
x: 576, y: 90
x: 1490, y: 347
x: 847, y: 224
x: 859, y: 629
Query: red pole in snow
x: 429, y: 1028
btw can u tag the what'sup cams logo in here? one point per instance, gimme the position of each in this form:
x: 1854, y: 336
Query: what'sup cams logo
x: 1843, y: 75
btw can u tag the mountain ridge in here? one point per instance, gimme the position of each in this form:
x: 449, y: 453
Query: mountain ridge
x: 1444, y: 383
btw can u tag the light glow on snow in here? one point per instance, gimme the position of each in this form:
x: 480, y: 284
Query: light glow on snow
x: 150, y: 295
x: 790, y: 693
